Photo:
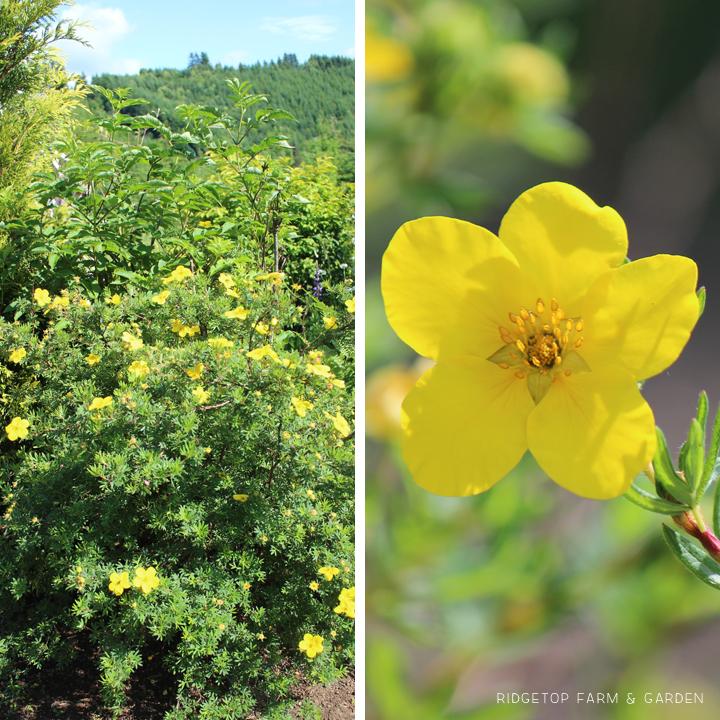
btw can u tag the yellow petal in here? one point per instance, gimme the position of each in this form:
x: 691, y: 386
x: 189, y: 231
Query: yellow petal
x: 593, y: 432
x: 640, y: 315
x: 448, y: 285
x: 464, y: 426
x: 562, y: 241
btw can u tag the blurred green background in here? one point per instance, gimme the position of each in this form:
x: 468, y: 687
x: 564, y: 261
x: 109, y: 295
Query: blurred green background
x: 527, y: 587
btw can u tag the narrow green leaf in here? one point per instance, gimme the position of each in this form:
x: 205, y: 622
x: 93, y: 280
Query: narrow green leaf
x: 653, y: 504
x: 665, y: 472
x: 697, y: 561
x: 702, y: 413
x: 692, y: 456
x: 701, y: 296
x: 711, y: 470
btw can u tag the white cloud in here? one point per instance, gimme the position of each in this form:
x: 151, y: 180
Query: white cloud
x: 235, y: 57
x: 307, y: 27
x: 351, y: 52
x: 106, y: 29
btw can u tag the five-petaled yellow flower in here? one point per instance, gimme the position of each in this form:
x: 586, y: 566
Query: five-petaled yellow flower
x: 42, y: 297
x: 330, y: 322
x: 239, y: 313
x: 220, y: 343
x: 541, y: 336
x: 196, y: 372
x: 350, y: 305
x: 226, y: 280
x: 160, y: 298
x: 201, y: 394
x: 17, y: 355
x: 241, y: 498
x: 99, y: 403
x: 179, y: 274
x: 132, y: 342
x: 92, y: 358
x: 17, y: 429
x: 312, y: 645
x: 340, y: 423
x: 139, y: 368
x: 301, y: 406
x: 347, y: 602
x: 261, y: 328
x: 114, y: 300
x: 118, y: 583
x: 261, y: 352
x: 314, y: 586
x: 146, y: 580
x: 328, y: 572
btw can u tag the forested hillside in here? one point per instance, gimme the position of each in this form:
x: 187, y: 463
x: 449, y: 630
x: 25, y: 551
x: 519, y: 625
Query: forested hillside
x: 318, y: 93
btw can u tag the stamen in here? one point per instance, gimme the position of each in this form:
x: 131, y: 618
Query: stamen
x: 524, y: 313
x: 568, y: 373
x: 558, y: 360
x: 560, y: 314
x: 520, y: 374
x: 520, y: 346
x: 554, y: 305
x: 540, y: 306
x: 578, y: 342
x: 526, y: 363
x: 513, y: 356
x: 580, y: 325
x: 546, y: 328
x: 557, y: 333
x: 522, y: 327
x: 569, y: 325
x: 512, y: 316
x: 554, y: 319
x: 504, y: 366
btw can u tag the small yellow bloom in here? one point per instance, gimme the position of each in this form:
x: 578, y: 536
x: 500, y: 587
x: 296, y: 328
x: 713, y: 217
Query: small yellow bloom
x: 226, y: 280
x: 196, y: 372
x: 347, y: 602
x: 92, y: 358
x: 220, y: 343
x: 246, y: 586
x: 139, y: 368
x: 301, y: 406
x: 17, y: 355
x: 261, y: 352
x: 179, y: 274
x: 241, y: 498
x: 99, y: 403
x: 350, y: 305
x: 314, y: 586
x: 17, y: 429
x: 201, y: 394
x: 131, y: 341
x: 239, y: 313
x: 160, y: 298
x: 146, y: 580
x: 42, y: 297
x: 297, y: 287
x: 330, y: 322
x: 221, y: 627
x: 231, y: 293
x: 118, y: 583
x: 340, y: 423
x: 312, y: 645
x: 275, y: 277
x: 261, y: 636
x: 261, y: 328
x: 328, y: 572
x: 319, y: 370
x: 204, y: 223
x: 338, y: 383
x: 114, y: 300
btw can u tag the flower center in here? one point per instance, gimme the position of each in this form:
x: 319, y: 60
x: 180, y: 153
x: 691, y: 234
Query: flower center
x: 539, y: 345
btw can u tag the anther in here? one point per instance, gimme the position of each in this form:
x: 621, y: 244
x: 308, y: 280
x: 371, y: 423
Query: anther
x: 526, y: 363
x: 521, y: 327
x: 578, y: 342
x: 546, y: 328
x: 504, y: 366
x: 540, y: 306
x: 580, y: 325
x: 565, y: 338
x: 512, y: 316
x: 554, y: 305
x: 569, y: 325
x: 513, y: 356
x: 558, y: 360
x: 560, y: 314
x: 554, y: 319
x: 519, y: 374
x: 568, y: 373
x: 520, y: 345
x: 557, y: 333
x: 524, y: 314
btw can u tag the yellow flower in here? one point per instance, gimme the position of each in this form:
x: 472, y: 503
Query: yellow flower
x: 92, y: 358
x: 146, y: 580
x: 350, y: 305
x: 540, y: 338
x: 314, y: 586
x: 99, y: 403
x: 139, y: 368
x: 179, y: 274
x: 321, y: 370
x: 347, y: 602
x: 330, y: 322
x: 131, y: 341
x: 118, y: 583
x: 340, y: 423
x: 17, y: 355
x: 196, y: 372
x: 301, y: 406
x: 261, y: 352
x: 42, y: 297
x: 226, y: 280
x: 239, y: 313
x: 17, y: 429
x: 160, y: 298
x: 276, y: 277
x: 194, y: 330
x: 231, y: 293
x: 312, y: 645
x: 338, y: 383
x: 328, y: 572
x: 114, y: 300
x: 201, y: 394
x: 386, y: 59
x: 241, y: 498
x: 261, y: 328
x: 220, y: 343
x: 204, y: 223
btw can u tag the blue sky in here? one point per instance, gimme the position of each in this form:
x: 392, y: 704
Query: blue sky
x: 133, y: 34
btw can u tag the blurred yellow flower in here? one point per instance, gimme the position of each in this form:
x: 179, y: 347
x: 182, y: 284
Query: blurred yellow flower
x: 201, y: 394
x: 99, y: 403
x: 386, y: 59
x: 204, y: 223
x: 312, y: 645
x: 220, y: 343
x: 160, y: 298
x: 179, y: 274
x: 239, y: 313
x: 17, y: 355
x: 42, y: 297
x: 241, y: 498
x: 139, y: 368
x: 261, y: 352
x: 301, y: 406
x: 131, y: 341
x: 328, y: 572
x: 196, y: 372
x: 146, y: 580
x: 118, y: 583
x: 330, y: 322
x: 320, y: 370
x: 340, y: 423
x: 17, y: 429
x: 114, y: 300
x: 314, y: 585
x: 92, y: 358
x: 261, y: 328
x: 226, y: 280
x: 347, y: 602
x: 350, y: 305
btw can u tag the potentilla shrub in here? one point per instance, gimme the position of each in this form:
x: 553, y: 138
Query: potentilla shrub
x: 176, y: 480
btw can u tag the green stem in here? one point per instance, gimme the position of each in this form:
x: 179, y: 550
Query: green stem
x: 699, y: 519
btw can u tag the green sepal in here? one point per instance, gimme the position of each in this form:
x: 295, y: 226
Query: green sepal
x: 697, y: 561
x: 692, y: 457
x: 538, y: 385
x: 649, y: 502
x: 712, y: 467
x: 665, y: 472
x: 701, y: 295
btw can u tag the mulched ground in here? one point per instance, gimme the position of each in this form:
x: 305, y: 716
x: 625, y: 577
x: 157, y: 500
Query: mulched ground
x: 73, y: 693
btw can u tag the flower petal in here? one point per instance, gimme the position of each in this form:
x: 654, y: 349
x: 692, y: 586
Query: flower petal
x: 464, y: 426
x: 563, y: 241
x: 448, y: 285
x: 593, y: 432
x: 640, y: 315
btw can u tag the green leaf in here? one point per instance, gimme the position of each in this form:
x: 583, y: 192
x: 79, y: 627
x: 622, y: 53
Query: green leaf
x: 702, y: 412
x: 712, y: 467
x: 665, y: 471
x: 701, y: 295
x: 697, y: 561
x: 692, y: 456
x: 649, y: 502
